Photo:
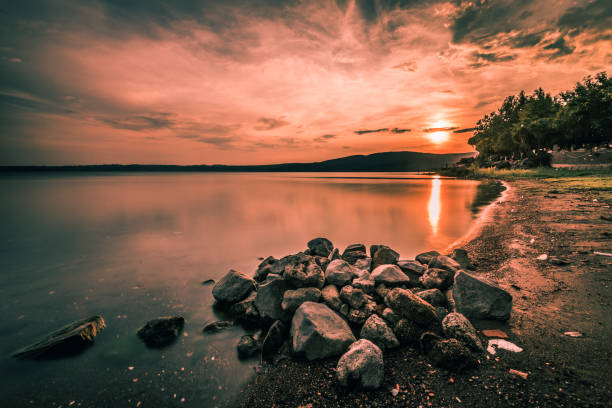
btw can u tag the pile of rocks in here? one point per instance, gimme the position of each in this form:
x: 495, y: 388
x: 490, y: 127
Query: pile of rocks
x: 318, y: 303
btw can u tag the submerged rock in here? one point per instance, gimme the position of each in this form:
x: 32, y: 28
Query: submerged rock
x: 233, y: 287
x: 478, y: 298
x: 248, y: 346
x: 66, y: 341
x: 457, y: 326
x: 162, y: 331
x: 362, y: 362
x: 217, y: 326
x: 318, y: 332
x: 376, y: 330
x: 320, y: 246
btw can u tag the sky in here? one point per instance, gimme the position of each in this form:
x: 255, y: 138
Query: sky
x: 270, y: 81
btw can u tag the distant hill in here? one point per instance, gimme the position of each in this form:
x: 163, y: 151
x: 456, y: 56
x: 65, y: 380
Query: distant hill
x: 388, y: 161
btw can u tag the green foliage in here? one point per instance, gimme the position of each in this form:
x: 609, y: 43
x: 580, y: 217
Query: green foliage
x: 527, y: 126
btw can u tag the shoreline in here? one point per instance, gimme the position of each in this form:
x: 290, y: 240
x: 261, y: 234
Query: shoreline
x: 548, y: 300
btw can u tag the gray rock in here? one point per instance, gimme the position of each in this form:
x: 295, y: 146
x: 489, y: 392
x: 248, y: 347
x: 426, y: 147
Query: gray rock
x: 452, y: 355
x: 318, y: 332
x: 354, y: 252
x: 292, y: 299
x: 425, y: 257
x: 390, y: 316
x: 412, y: 267
x: 412, y: 307
x: 376, y: 330
x: 269, y: 298
x: 435, y: 278
x: 233, y: 287
x: 248, y: 346
x: 444, y: 262
x: 274, y: 339
x: 304, y: 272
x: 354, y: 297
x: 434, y: 297
x: 480, y: 299
x: 390, y: 275
x: 360, y: 315
x: 365, y: 285
x: 267, y: 266
x: 320, y: 246
x: 339, y: 273
x: 460, y: 256
x: 161, y: 331
x: 66, y: 341
x: 217, y: 326
x: 457, y: 326
x: 362, y: 362
x: 363, y: 267
x: 383, y: 255
x: 245, y: 311
x: 331, y: 297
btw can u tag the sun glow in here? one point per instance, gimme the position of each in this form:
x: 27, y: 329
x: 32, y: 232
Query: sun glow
x: 438, y: 137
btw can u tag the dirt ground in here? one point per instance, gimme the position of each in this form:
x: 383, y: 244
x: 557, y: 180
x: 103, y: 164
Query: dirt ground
x: 535, y: 218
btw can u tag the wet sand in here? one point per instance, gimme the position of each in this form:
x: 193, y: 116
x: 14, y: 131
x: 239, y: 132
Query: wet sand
x: 549, y: 300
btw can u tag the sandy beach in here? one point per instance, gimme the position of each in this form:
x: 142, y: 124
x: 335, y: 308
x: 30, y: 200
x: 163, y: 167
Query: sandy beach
x: 534, y: 218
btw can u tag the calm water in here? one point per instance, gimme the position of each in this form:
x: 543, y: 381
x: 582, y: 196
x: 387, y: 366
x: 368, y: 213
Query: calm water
x: 131, y: 247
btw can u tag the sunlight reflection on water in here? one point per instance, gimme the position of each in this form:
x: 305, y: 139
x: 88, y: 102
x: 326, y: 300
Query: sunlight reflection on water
x: 435, y: 205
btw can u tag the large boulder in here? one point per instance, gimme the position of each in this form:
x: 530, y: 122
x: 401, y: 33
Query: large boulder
x: 161, y: 331
x: 436, y: 278
x: 425, y: 257
x: 444, y: 262
x: 434, y: 297
x: 339, y: 272
x: 452, y: 355
x: 382, y: 255
x: 245, y: 311
x: 269, y: 298
x: 274, y: 339
x: 362, y: 362
x: 292, y: 299
x: 390, y: 275
x: 233, y: 287
x: 331, y: 297
x: 457, y: 326
x: 478, y: 298
x: 376, y: 330
x: 354, y: 252
x: 318, y: 332
x: 303, y: 271
x: 320, y: 246
x: 353, y: 297
x: 66, y: 341
x: 412, y: 307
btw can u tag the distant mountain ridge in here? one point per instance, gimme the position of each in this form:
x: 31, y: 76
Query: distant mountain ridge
x: 387, y: 161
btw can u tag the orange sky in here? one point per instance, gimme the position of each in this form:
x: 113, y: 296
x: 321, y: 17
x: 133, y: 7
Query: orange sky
x: 240, y: 82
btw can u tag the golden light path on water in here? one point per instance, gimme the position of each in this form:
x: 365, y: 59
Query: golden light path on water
x: 434, y: 205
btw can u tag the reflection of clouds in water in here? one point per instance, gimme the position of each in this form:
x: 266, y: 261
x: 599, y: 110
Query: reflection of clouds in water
x: 434, y: 205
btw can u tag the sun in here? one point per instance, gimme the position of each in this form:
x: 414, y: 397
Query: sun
x: 438, y: 137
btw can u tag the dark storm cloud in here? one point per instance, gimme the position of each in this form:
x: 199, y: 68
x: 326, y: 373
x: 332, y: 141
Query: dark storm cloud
x: 270, y: 123
x: 595, y: 16
x: 464, y: 130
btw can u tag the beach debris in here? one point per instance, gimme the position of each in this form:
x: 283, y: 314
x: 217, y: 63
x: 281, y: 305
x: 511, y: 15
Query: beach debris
x: 602, y: 253
x: 518, y: 373
x: 495, y: 333
x: 542, y: 257
x: 362, y: 362
x: 572, y: 334
x: 502, y: 344
x: 66, y: 341
x: 161, y: 331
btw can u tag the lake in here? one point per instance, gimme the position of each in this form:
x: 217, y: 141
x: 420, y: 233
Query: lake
x: 134, y: 246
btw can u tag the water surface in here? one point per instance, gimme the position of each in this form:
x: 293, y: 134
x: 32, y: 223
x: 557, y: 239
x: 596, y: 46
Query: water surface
x: 131, y: 247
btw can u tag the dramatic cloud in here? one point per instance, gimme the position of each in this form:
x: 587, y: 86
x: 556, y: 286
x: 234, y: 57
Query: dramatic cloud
x: 241, y: 81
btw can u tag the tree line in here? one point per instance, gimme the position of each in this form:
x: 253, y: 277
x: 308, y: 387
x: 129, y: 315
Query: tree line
x: 526, y: 127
